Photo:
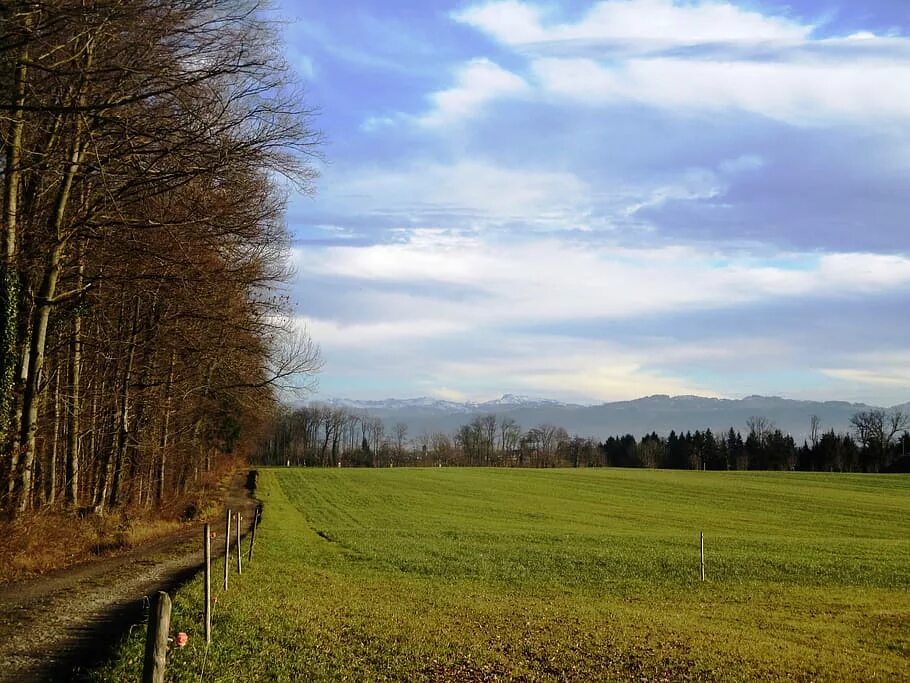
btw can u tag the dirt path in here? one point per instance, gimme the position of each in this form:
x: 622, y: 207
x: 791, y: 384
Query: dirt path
x: 55, y: 626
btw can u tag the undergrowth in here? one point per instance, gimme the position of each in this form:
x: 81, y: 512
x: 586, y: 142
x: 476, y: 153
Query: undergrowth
x: 54, y: 538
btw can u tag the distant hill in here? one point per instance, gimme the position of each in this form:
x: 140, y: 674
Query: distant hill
x: 658, y: 413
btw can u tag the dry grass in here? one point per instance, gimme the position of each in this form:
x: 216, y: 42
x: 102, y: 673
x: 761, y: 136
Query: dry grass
x: 41, y: 543
x: 54, y: 540
x: 49, y: 540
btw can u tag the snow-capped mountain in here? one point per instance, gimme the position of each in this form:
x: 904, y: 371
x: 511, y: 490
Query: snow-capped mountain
x: 526, y: 401
x: 428, y: 404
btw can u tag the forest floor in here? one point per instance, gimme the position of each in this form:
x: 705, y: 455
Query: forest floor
x: 54, y: 627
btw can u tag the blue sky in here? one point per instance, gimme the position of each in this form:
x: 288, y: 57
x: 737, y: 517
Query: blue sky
x: 596, y: 201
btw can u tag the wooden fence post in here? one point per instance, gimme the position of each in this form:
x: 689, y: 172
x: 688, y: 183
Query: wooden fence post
x: 701, y: 553
x: 227, y: 546
x: 249, y: 558
x: 156, y: 639
x: 207, y: 597
x: 239, y: 568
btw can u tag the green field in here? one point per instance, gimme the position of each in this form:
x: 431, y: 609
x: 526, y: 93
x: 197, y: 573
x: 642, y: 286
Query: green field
x: 495, y: 574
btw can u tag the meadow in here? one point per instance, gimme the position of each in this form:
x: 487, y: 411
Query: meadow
x: 589, y: 574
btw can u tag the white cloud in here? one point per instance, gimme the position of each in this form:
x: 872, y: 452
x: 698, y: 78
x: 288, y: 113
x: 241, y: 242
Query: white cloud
x: 661, y: 22
x: 477, y: 82
x: 759, y: 63
x: 481, y: 364
x: 448, y: 394
x: 372, y: 124
x: 338, y: 232
x: 476, y: 191
x: 694, y: 184
x: 804, y: 92
x: 403, y: 320
x: 547, y: 279
x: 509, y: 21
x: 567, y: 368
x: 865, y: 272
x: 876, y: 376
x: 305, y: 67
x: 890, y: 369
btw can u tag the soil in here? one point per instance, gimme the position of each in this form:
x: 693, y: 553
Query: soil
x: 58, y: 626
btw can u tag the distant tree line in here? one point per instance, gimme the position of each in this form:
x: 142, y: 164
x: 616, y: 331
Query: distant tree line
x: 142, y: 244
x: 326, y: 436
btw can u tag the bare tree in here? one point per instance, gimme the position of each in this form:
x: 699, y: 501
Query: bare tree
x: 485, y: 428
x: 441, y: 447
x: 143, y: 247
x: 401, y: 439
x: 423, y: 444
x: 761, y: 427
x: 509, y: 436
x: 814, y: 430
x: 376, y: 435
x: 875, y: 429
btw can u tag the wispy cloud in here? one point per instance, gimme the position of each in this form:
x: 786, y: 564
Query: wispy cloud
x: 475, y: 193
x: 888, y: 376
x: 888, y: 369
x: 359, y: 335
x: 805, y: 92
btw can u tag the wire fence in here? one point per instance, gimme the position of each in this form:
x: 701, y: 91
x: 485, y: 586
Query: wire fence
x: 157, y: 636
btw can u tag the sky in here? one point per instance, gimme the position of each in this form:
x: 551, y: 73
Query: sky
x: 601, y: 200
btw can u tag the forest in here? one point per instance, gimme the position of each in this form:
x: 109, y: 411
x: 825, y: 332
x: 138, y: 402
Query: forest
x: 318, y: 435
x: 147, y: 149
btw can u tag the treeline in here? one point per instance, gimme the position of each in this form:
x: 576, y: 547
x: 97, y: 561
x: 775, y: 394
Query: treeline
x: 336, y: 437
x: 772, y: 450
x: 142, y: 241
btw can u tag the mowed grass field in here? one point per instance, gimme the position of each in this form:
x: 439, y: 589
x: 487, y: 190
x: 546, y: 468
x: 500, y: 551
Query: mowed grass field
x: 497, y: 574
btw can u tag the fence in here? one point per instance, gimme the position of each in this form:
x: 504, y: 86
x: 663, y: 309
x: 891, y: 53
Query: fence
x: 156, y: 642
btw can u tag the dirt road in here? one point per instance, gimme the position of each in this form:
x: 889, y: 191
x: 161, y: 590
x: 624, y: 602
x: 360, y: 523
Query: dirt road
x: 54, y: 627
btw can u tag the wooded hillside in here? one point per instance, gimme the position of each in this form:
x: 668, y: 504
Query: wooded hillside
x: 143, y: 325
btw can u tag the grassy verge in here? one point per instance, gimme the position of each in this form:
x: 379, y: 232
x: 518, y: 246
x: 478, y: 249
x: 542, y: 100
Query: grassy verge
x: 476, y: 575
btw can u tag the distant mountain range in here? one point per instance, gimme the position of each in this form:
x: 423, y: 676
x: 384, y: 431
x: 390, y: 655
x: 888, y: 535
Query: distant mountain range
x: 659, y: 413
x: 506, y: 401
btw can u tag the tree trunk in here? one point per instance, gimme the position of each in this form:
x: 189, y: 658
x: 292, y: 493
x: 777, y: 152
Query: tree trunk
x: 52, y: 461
x: 44, y: 302
x: 23, y: 345
x: 73, y: 437
x: 38, y: 345
x: 168, y: 388
x: 123, y: 413
x: 92, y: 452
x: 9, y: 277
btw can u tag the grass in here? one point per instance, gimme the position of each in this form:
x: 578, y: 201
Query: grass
x: 483, y: 575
